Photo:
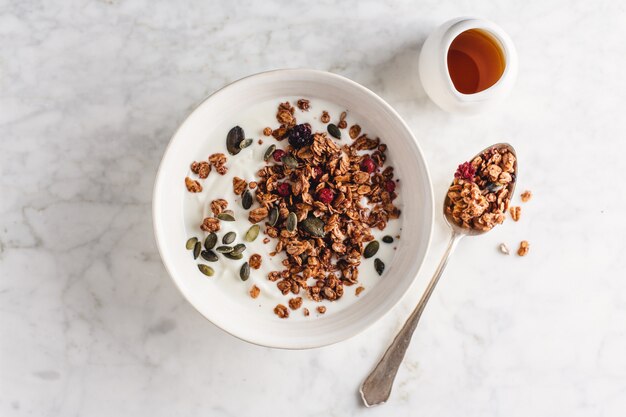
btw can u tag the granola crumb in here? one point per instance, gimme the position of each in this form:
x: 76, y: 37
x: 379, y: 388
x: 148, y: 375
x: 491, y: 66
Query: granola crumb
x: 257, y: 214
x: 260, y: 141
x: 210, y: 224
x: 267, y: 131
x: 255, y: 261
x: 295, y: 303
x: 355, y: 131
x: 304, y: 104
x: 193, y: 186
x: 325, y: 117
x: 526, y: 196
x: 254, y: 291
x: 239, y: 185
x: 218, y: 206
x: 218, y: 160
x: 266, y: 240
x: 342, y: 124
x: 359, y: 290
x: 504, y: 248
x: 321, y: 309
x: 524, y: 247
x: 201, y: 169
x: 515, y: 212
x: 281, y: 311
x: 252, y: 185
x: 305, y: 311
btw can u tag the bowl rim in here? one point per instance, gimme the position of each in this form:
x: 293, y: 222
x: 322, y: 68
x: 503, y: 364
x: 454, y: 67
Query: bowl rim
x: 293, y: 72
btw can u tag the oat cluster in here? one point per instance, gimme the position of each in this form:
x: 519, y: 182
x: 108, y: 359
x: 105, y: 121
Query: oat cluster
x: 480, y: 194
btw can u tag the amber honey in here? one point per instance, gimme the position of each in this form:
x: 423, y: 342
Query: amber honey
x: 475, y: 61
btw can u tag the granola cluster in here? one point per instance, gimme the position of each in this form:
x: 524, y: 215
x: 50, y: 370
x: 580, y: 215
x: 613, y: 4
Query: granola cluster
x: 324, y: 198
x: 480, y: 194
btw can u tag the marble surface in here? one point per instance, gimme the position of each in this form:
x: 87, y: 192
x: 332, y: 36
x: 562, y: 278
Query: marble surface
x: 90, y: 323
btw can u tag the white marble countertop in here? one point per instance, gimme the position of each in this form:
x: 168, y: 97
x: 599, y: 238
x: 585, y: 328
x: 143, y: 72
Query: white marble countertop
x: 90, y: 323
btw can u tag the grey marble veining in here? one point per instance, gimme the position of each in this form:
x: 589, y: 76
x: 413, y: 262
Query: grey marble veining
x: 90, y: 323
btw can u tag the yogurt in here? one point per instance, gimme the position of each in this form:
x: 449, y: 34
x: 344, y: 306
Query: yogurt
x: 245, y: 165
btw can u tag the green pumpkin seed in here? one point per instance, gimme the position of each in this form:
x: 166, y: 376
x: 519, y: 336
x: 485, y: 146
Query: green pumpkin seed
x: 191, y: 242
x: 196, y: 250
x: 289, y: 161
x: 334, y: 131
x: 246, y: 200
x: 234, y: 256
x: 313, y: 226
x: 227, y: 216
x: 210, y: 241
x: 379, y: 266
x: 244, y: 272
x: 206, y: 270
x: 292, y: 222
x: 233, y: 140
x: 245, y: 143
x: 209, y: 255
x: 238, y: 249
x: 273, y: 219
x: 387, y: 239
x: 252, y: 233
x: 269, y: 152
x: 229, y: 238
x: 371, y: 249
x: 224, y: 249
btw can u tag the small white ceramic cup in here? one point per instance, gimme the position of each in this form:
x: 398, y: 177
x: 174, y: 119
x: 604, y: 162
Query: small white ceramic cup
x: 433, y: 67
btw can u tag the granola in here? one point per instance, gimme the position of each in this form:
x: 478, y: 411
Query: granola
x: 480, y: 194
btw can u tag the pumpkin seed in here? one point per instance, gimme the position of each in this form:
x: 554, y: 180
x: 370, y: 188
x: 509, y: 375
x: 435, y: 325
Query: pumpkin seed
x: 371, y: 249
x: 191, y: 242
x: 292, y: 222
x: 269, y: 152
x: 238, y: 249
x: 210, y: 241
x: 289, y: 161
x: 209, y: 255
x: 224, y: 249
x: 229, y: 238
x: 233, y: 140
x: 227, y: 216
x: 245, y: 143
x: 244, y: 272
x: 234, y: 256
x: 206, y: 270
x: 334, y: 131
x: 387, y: 239
x: 196, y: 250
x: 246, y: 200
x: 379, y: 266
x: 313, y: 226
x: 273, y: 216
x: 252, y: 233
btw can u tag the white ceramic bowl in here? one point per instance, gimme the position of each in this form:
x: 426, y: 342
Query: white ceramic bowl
x: 417, y: 215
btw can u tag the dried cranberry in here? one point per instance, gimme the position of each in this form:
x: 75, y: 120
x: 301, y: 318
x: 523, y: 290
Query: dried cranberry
x: 317, y: 172
x: 368, y: 165
x: 325, y: 195
x: 390, y: 186
x: 284, y: 189
x: 278, y: 154
x: 465, y: 171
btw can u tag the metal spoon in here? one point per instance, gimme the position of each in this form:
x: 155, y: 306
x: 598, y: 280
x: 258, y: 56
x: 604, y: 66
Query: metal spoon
x: 377, y: 386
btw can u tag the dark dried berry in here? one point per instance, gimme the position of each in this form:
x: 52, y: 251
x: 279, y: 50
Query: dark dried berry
x: 278, y: 154
x: 284, y: 189
x: 368, y: 165
x: 300, y: 136
x: 390, y: 186
x: 465, y: 171
x: 326, y: 195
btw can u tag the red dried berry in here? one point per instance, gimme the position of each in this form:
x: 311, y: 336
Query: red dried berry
x: 317, y: 172
x: 325, y: 195
x: 368, y: 165
x: 278, y: 154
x: 284, y: 189
x: 465, y: 171
x: 390, y: 186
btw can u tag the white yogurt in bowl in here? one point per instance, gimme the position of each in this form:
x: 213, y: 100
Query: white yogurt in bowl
x: 245, y: 165
x: 223, y: 298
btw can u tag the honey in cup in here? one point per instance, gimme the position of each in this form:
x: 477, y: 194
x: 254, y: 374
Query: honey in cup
x: 475, y: 61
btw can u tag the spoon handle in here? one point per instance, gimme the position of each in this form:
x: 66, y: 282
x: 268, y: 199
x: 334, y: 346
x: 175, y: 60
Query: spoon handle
x: 377, y: 386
